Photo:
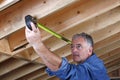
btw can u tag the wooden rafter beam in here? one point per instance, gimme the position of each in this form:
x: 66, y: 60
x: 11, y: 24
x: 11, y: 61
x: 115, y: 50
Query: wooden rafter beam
x: 112, y: 53
x: 10, y: 65
x: 115, y: 67
x: 109, y: 40
x: 4, y: 57
x: 6, y: 3
x: 92, y: 25
x: 5, y: 52
x: 5, y: 47
x: 108, y: 48
x: 10, y: 23
x: 19, y: 72
x: 34, y: 74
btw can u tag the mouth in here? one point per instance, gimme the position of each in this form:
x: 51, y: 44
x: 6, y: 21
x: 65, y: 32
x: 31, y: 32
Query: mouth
x: 75, y: 55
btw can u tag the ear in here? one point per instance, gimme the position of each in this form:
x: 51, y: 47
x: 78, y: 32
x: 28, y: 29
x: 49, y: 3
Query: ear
x: 90, y: 50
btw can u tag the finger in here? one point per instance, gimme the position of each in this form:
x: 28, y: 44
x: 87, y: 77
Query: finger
x: 27, y: 31
x: 33, y: 26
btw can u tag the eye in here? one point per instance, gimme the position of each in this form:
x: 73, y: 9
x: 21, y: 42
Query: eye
x: 79, y: 46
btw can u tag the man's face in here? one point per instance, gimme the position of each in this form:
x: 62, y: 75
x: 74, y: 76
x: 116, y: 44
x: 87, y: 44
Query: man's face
x: 81, y: 50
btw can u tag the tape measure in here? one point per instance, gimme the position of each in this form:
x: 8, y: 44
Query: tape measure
x: 29, y: 19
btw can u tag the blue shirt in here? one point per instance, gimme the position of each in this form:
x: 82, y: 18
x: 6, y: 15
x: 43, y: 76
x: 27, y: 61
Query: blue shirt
x: 92, y: 69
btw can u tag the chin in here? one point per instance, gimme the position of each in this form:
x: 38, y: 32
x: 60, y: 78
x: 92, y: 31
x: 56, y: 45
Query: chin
x: 77, y: 60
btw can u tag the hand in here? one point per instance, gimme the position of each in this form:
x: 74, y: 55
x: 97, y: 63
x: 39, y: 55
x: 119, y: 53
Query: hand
x: 34, y: 36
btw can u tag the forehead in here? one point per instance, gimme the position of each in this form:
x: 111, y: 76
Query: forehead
x: 79, y: 40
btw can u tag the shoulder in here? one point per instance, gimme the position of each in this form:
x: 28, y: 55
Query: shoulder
x: 95, y: 63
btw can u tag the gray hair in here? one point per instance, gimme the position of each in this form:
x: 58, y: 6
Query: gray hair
x: 86, y: 36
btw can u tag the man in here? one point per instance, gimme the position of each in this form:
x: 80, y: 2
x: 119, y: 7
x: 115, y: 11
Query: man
x: 89, y: 66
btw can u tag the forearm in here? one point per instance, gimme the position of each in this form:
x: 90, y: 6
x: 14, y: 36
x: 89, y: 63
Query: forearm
x: 51, y: 60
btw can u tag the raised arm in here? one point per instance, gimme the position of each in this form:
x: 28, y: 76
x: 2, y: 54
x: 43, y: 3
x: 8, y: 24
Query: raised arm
x: 51, y: 60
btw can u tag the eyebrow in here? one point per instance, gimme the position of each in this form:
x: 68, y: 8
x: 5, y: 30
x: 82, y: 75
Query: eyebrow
x: 76, y: 44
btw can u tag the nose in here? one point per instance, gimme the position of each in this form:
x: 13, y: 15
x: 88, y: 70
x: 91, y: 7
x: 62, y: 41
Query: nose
x: 74, y: 49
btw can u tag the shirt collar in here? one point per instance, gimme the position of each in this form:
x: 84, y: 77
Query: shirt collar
x: 91, y: 59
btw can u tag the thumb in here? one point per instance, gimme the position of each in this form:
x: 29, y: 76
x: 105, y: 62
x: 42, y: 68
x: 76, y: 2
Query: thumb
x: 33, y: 26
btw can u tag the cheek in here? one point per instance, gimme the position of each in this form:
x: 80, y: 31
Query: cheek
x: 83, y: 53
